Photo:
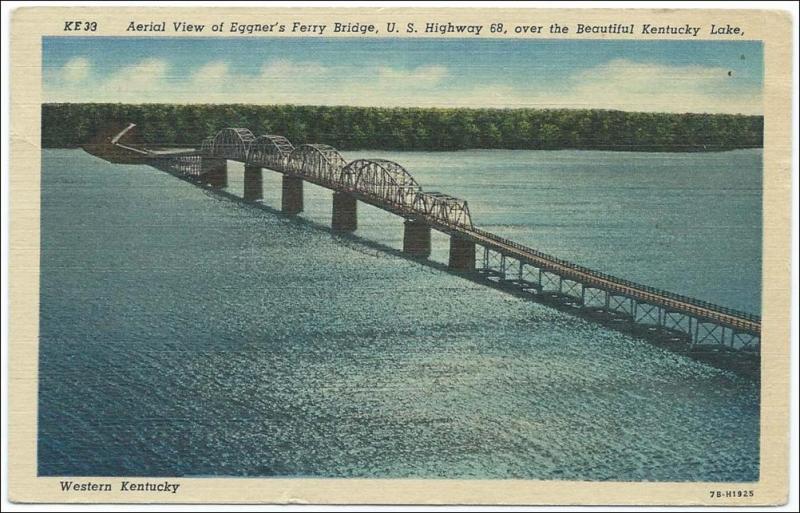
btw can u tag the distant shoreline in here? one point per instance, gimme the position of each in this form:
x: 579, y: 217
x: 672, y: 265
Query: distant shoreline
x: 350, y: 150
x: 69, y: 125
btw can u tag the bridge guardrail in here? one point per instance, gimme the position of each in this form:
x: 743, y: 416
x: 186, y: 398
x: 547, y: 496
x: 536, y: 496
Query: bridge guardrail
x: 683, y: 300
x: 241, y: 139
x: 620, y: 281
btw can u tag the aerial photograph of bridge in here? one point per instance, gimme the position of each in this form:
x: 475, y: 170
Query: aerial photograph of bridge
x: 385, y: 258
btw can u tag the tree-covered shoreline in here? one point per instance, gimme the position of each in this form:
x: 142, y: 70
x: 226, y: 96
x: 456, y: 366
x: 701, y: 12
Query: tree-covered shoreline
x: 68, y: 125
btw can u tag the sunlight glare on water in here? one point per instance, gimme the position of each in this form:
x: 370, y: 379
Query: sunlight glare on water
x: 183, y: 333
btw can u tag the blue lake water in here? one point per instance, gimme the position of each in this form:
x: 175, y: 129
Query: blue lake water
x: 183, y: 333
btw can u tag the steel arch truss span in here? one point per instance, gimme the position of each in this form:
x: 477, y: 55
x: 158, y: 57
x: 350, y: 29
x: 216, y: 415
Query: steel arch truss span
x: 207, y: 146
x: 232, y: 143
x: 444, y: 208
x: 316, y: 161
x: 270, y: 151
x: 383, y: 179
x: 390, y: 186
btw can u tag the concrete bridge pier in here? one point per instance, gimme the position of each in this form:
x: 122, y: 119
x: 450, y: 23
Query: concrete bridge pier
x: 462, y: 255
x: 345, y: 212
x: 417, y: 239
x: 292, y: 198
x: 215, y: 171
x: 253, y: 183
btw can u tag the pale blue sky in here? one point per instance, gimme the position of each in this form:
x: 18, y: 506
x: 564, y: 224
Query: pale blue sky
x: 669, y: 76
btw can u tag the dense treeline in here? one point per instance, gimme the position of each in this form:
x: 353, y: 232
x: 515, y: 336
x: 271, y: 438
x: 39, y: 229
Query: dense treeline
x: 69, y: 125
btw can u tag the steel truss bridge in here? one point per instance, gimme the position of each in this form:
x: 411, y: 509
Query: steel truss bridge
x: 696, y: 324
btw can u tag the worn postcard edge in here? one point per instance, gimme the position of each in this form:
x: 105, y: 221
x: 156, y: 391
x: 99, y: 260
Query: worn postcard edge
x: 29, y: 25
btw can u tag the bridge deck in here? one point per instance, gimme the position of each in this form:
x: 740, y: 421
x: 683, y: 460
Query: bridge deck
x: 590, y: 278
x: 324, y: 166
x: 737, y: 320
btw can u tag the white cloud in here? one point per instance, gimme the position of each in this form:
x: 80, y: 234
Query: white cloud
x: 421, y: 76
x: 284, y: 68
x: 630, y: 85
x: 76, y: 69
x: 144, y: 81
x: 618, y: 84
x: 627, y: 85
x: 139, y: 80
x: 212, y: 74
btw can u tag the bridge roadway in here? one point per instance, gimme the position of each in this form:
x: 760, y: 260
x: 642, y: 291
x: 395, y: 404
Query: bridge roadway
x: 568, y: 270
x: 386, y: 185
x: 595, y: 279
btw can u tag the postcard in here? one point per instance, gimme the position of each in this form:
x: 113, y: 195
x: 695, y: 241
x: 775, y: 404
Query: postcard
x: 399, y: 256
